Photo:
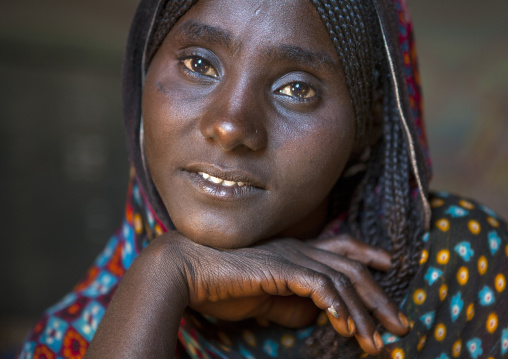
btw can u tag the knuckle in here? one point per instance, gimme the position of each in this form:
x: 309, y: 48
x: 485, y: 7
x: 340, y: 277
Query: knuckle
x: 358, y: 270
x: 342, y: 281
x: 382, y: 302
x: 322, y: 280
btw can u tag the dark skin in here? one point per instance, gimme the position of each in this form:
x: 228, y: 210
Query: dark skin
x: 248, y: 125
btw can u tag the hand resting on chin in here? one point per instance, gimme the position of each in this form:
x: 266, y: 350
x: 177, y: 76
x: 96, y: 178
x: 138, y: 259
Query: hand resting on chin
x: 286, y: 281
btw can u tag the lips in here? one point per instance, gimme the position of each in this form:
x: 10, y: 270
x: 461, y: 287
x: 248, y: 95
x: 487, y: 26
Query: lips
x: 224, y: 176
x: 220, y: 181
x: 225, y: 184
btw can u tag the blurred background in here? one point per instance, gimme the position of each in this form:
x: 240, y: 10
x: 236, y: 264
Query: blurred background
x: 63, y: 158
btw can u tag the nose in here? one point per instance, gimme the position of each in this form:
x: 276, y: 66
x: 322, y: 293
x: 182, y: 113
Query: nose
x: 235, y: 120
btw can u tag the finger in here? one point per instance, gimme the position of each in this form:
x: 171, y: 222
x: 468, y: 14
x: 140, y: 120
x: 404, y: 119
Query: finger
x: 347, y: 246
x: 305, y: 282
x: 366, y: 334
x: 291, y: 312
x: 366, y: 343
x: 369, y: 291
x: 359, y: 322
x: 236, y: 309
x: 329, y: 290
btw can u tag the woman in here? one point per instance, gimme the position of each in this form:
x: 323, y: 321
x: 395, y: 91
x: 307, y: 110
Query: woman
x: 253, y: 130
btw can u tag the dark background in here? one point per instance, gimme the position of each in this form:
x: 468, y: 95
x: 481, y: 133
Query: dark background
x: 63, y: 159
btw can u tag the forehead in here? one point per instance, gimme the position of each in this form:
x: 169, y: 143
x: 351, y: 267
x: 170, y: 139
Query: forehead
x: 269, y: 22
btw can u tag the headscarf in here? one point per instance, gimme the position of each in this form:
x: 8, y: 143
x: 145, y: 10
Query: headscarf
x: 67, y: 328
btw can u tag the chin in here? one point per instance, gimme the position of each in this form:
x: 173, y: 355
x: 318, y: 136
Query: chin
x: 221, y: 237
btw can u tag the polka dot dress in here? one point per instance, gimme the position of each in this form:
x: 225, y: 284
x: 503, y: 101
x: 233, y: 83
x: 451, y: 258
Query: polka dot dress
x: 458, y: 302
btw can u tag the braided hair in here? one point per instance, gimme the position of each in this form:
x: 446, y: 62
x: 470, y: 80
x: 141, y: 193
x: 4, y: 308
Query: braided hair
x: 382, y: 211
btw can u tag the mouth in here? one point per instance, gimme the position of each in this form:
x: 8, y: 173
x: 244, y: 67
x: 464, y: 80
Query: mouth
x: 223, y: 184
x: 221, y: 181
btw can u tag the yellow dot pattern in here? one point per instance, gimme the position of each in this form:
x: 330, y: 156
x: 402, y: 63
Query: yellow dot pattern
x: 443, y: 256
x: 457, y: 348
x: 451, y: 267
x: 482, y: 265
x: 424, y: 256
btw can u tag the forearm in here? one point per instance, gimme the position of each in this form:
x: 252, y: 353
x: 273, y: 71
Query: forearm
x: 143, y: 318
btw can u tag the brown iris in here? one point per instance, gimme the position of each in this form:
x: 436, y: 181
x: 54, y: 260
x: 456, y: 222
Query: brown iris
x: 200, y: 66
x: 299, y: 90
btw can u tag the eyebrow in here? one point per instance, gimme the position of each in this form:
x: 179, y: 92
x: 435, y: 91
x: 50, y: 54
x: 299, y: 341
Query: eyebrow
x: 210, y: 34
x: 297, y: 54
x: 195, y: 31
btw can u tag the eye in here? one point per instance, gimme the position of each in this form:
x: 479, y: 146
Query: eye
x: 198, y: 65
x: 299, y: 90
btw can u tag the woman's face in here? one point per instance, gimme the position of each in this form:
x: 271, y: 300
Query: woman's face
x: 247, y: 121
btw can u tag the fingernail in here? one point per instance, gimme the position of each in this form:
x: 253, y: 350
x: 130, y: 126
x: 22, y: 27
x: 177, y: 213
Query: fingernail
x: 333, y: 312
x: 378, y: 340
x: 403, y: 320
x: 351, y: 326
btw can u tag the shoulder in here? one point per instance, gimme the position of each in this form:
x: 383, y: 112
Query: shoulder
x: 467, y: 241
x: 456, y: 219
x: 457, y: 300
x: 451, y: 206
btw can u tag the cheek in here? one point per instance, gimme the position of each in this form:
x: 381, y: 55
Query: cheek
x: 165, y: 122
x: 308, y: 166
x: 317, y: 153
x: 158, y: 132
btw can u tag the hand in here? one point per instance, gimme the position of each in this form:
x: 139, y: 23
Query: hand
x: 255, y: 282
x: 294, y: 311
x: 173, y: 272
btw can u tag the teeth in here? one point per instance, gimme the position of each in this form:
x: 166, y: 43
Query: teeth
x: 204, y: 175
x: 220, y: 181
x: 228, y: 183
x: 215, y: 179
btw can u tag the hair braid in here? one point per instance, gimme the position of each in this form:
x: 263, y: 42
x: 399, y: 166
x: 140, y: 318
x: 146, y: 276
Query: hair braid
x: 345, y: 23
x: 393, y: 223
x: 396, y: 202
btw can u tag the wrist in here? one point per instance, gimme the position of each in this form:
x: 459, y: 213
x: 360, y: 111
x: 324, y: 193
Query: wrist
x: 162, y: 268
x: 143, y: 318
